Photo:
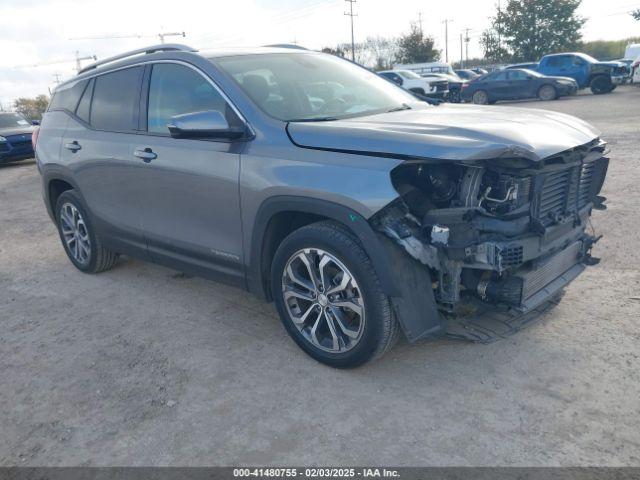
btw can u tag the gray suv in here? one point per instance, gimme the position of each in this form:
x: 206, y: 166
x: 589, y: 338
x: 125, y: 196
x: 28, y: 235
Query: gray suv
x: 310, y: 181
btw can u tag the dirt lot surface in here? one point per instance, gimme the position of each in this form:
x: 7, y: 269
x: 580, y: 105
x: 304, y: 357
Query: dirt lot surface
x: 145, y: 366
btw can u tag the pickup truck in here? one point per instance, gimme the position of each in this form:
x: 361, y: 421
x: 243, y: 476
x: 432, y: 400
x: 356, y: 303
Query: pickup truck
x: 601, y: 77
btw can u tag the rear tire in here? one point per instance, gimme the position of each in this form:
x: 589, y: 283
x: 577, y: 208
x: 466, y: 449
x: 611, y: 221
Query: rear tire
x: 320, y: 314
x: 480, y: 97
x: 80, y: 242
x: 547, y: 93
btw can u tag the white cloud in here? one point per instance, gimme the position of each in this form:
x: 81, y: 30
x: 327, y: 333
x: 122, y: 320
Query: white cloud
x: 51, y: 25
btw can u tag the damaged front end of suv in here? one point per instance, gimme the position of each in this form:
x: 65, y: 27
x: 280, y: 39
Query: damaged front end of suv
x: 499, y: 235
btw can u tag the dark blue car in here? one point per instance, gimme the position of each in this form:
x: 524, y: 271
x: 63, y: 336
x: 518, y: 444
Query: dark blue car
x: 517, y: 84
x: 15, y: 137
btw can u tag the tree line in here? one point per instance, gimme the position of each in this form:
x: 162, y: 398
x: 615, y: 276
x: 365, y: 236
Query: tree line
x: 522, y: 31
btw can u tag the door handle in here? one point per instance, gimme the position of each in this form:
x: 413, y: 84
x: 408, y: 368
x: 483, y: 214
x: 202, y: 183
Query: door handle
x: 73, y: 146
x: 146, y: 155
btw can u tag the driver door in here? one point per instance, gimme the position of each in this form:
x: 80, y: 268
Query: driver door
x: 188, y: 188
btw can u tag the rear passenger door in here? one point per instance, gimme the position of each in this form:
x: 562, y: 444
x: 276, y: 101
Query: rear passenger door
x: 189, y: 189
x: 98, y: 146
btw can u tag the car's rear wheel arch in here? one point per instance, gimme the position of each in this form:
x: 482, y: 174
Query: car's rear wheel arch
x: 55, y: 188
x: 279, y: 216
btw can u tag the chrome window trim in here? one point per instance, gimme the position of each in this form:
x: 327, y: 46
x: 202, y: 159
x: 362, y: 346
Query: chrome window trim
x: 178, y: 62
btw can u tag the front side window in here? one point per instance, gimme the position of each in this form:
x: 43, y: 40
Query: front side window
x: 115, y: 100
x: 176, y: 90
x: 517, y: 75
x: 311, y: 86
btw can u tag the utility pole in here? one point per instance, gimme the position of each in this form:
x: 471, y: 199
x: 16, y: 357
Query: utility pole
x: 499, y: 26
x: 79, y: 59
x: 446, y: 39
x: 56, y: 77
x: 466, y: 41
x: 461, y: 56
x: 351, y: 14
x: 420, y: 22
x: 171, y: 34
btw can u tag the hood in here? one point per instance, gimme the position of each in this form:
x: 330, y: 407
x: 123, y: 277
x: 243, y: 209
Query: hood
x: 449, y: 132
x: 612, y: 64
x: 26, y: 130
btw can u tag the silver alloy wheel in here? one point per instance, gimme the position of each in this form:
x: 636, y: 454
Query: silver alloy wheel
x: 323, y: 300
x: 75, y: 234
x: 480, y: 97
x: 547, y: 92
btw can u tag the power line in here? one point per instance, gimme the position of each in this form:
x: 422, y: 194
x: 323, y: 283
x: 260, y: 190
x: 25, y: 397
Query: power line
x: 353, y: 42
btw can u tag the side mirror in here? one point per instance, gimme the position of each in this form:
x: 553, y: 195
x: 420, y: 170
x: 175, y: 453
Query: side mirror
x: 208, y: 124
x: 35, y: 122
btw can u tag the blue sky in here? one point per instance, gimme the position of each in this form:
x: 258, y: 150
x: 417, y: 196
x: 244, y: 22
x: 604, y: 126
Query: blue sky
x: 55, y: 27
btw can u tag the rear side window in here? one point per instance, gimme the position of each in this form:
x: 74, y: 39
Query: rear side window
x: 84, y: 107
x: 115, y: 100
x: 67, y: 98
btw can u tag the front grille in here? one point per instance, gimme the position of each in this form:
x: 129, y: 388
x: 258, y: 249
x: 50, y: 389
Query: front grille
x: 4, y: 147
x: 568, y: 190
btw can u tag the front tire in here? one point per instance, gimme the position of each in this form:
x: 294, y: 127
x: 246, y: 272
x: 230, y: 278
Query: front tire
x: 329, y: 297
x: 80, y: 242
x: 601, y: 84
x: 480, y: 97
x: 547, y: 93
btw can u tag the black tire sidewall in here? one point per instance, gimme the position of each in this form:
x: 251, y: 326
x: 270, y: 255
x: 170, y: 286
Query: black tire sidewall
x: 368, y: 283
x: 72, y: 197
x: 601, y: 85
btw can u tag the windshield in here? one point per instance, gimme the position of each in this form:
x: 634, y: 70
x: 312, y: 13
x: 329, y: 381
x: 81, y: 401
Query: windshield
x: 408, y: 74
x: 8, y: 120
x: 312, y: 87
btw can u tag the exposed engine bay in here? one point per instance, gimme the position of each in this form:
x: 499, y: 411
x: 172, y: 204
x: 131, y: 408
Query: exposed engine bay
x: 507, y: 232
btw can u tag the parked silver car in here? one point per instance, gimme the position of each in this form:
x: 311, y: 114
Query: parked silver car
x: 315, y: 183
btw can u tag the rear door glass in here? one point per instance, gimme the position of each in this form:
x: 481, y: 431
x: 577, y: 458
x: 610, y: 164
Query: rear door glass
x: 84, y: 107
x: 115, y: 100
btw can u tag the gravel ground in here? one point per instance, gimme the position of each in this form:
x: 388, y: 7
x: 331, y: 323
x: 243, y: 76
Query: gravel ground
x: 146, y: 366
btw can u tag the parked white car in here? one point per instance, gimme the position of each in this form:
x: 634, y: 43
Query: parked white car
x: 413, y: 82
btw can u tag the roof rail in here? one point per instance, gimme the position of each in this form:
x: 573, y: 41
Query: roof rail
x: 165, y: 47
x: 292, y: 46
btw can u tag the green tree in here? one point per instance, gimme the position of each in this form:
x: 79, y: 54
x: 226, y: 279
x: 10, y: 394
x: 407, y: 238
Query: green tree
x: 32, y: 108
x: 531, y: 29
x: 492, y: 46
x: 415, y: 47
x: 636, y: 14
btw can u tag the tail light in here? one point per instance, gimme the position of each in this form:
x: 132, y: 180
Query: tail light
x: 34, y: 137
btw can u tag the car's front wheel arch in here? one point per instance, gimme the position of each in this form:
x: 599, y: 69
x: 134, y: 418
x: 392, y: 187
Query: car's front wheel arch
x: 279, y: 216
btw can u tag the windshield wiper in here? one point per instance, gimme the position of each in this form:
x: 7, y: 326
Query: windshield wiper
x: 404, y: 106
x: 313, y: 119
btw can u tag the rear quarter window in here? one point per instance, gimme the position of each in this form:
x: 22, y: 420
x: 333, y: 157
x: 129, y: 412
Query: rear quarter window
x: 115, y: 100
x: 67, y: 97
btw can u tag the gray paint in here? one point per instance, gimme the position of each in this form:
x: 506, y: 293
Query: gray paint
x: 199, y: 197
